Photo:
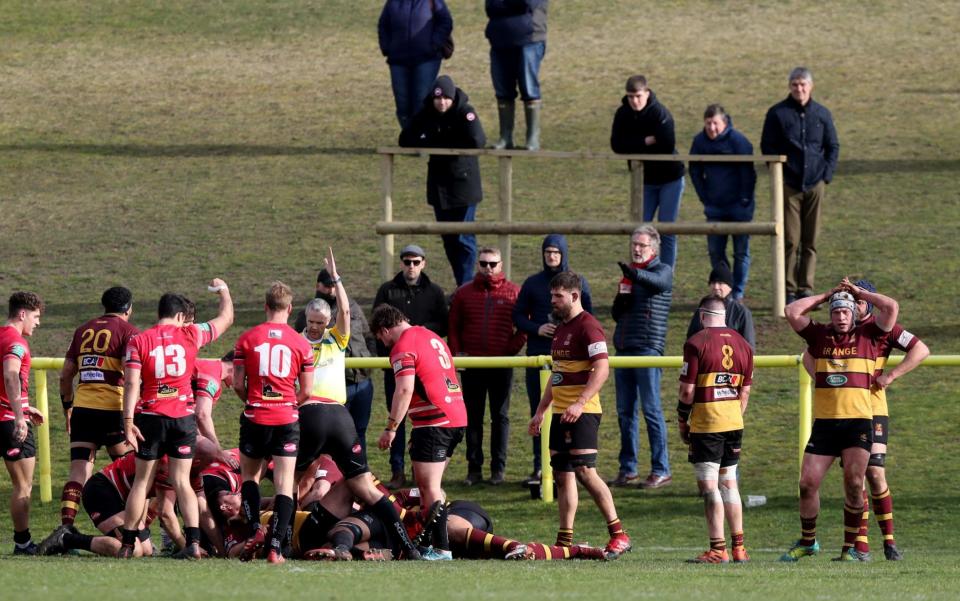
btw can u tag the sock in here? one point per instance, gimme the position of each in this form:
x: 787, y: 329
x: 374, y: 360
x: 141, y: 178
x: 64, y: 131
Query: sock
x: 282, y: 511
x: 737, y: 539
x: 343, y: 538
x: 564, y: 537
x: 250, y: 503
x: 387, y: 512
x: 614, y: 527
x: 441, y: 538
x: 718, y: 544
x: 192, y: 534
x: 22, y: 538
x: 862, y: 543
x: 851, y: 526
x: 808, y: 531
x: 483, y: 545
x: 883, y: 509
x: 70, y: 502
x: 129, y: 537
x: 83, y: 542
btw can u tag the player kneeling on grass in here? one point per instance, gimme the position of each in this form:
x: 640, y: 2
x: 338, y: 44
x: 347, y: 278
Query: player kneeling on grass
x: 714, y: 390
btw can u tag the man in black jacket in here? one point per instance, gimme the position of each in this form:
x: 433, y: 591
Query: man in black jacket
x: 738, y: 316
x: 424, y: 304
x: 453, y: 182
x: 803, y: 130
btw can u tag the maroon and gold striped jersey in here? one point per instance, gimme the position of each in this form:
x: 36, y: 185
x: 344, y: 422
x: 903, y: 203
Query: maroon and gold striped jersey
x: 97, y: 350
x: 576, y: 345
x: 719, y: 362
x: 897, y: 338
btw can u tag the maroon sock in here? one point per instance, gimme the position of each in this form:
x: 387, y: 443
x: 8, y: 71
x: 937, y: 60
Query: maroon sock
x: 851, y: 525
x: 70, y: 502
x: 883, y: 509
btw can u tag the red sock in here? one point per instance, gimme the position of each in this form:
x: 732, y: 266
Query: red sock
x: 614, y: 527
x: 883, y: 509
x: 718, y: 544
x: 564, y: 537
x: 484, y: 545
x: 808, y: 531
x: 851, y: 525
x: 737, y: 539
x: 863, y: 544
x: 70, y: 502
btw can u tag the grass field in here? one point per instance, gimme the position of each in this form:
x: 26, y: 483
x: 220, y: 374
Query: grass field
x: 156, y: 145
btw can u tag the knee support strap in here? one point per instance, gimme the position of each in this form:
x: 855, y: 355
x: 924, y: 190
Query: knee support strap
x: 82, y: 454
x: 354, y: 530
x: 707, y: 471
x: 877, y: 459
x: 712, y: 496
x: 561, y: 462
x: 584, y: 460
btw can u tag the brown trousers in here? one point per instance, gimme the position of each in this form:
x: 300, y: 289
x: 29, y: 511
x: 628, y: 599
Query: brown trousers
x: 801, y: 224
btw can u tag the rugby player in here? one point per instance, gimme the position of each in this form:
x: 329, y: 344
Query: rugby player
x: 94, y: 407
x: 580, y: 367
x: 16, y: 414
x: 715, y: 384
x: 158, y: 367
x: 845, y: 356
x: 427, y: 388
x: 209, y: 378
x: 270, y: 361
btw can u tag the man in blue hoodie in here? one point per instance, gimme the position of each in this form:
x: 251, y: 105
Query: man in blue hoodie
x: 725, y: 189
x: 532, y: 316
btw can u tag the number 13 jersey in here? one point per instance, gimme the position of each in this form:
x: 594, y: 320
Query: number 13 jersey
x: 437, y: 397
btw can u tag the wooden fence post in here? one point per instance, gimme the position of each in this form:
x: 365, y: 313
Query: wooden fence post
x: 779, y: 260
x: 387, y: 263
x: 506, y: 211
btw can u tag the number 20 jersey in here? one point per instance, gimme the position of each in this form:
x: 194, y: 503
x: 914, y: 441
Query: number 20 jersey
x: 165, y: 355
x: 437, y: 397
x: 97, y: 349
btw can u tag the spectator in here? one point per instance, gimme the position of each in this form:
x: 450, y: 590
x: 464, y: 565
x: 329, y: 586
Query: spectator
x: 412, y: 33
x: 533, y: 316
x: 424, y: 304
x: 644, y: 126
x: 453, y: 182
x: 481, y: 325
x: 725, y: 189
x: 738, y: 316
x: 640, y: 310
x: 362, y: 344
x: 517, y: 31
x: 802, y: 129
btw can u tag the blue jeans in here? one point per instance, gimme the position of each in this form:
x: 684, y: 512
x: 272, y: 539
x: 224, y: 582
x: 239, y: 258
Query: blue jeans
x: 411, y: 84
x: 399, y: 446
x: 717, y: 247
x: 359, y: 404
x: 665, y: 199
x: 461, y: 249
x: 512, y: 68
x: 533, y: 397
x: 640, y: 387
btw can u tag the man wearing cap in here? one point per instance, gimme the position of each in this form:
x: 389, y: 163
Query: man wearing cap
x: 362, y: 344
x: 803, y: 130
x: 424, y: 304
x: 738, y: 316
x: 845, y: 358
x: 447, y: 120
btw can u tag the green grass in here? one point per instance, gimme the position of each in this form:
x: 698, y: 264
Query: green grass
x: 156, y: 145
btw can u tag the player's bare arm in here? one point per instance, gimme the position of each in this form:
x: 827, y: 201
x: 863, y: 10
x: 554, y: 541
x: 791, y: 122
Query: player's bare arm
x: 598, y: 375
x: 11, y: 381
x: 131, y: 395
x: 305, y: 381
x: 684, y: 407
x: 533, y: 428
x: 401, y: 402
x: 67, y: 374
x: 913, y: 358
x: 240, y: 381
x: 343, y: 302
x: 744, y: 399
x: 885, y: 309
x: 796, y: 312
x: 224, y: 319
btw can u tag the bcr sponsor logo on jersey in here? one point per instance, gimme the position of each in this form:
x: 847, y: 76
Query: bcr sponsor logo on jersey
x: 91, y: 375
x: 91, y: 361
x: 836, y: 380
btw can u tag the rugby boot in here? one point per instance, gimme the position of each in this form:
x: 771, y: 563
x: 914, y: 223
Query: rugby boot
x: 429, y: 522
x: 740, y: 555
x: 711, y: 556
x: 521, y: 551
x: 125, y: 552
x: 592, y: 553
x: 188, y: 552
x: 253, y: 545
x: 892, y: 553
x: 275, y: 557
x: 618, y: 545
x: 799, y: 550
x: 30, y: 549
x: 339, y: 553
x: 437, y: 554
x: 852, y: 554
x: 53, y: 544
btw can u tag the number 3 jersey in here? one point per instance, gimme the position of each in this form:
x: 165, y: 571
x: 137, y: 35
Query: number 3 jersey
x: 97, y: 350
x: 719, y: 362
x: 273, y: 356
x: 165, y: 356
x: 437, y: 397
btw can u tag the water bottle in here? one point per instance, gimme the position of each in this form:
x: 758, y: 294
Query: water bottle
x: 756, y: 500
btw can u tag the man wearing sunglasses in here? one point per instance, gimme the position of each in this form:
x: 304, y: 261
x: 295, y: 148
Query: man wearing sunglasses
x: 481, y: 325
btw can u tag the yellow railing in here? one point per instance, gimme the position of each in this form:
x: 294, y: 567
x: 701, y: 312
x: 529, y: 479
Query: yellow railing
x: 40, y: 366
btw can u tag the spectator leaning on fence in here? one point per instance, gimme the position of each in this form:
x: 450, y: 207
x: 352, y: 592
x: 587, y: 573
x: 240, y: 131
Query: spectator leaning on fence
x: 412, y: 33
x: 802, y: 129
x: 517, y: 31
x: 725, y: 189
x: 644, y: 126
x: 738, y: 316
x: 453, y: 182
x: 640, y: 310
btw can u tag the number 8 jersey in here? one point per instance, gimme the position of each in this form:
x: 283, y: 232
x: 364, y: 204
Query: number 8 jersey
x: 165, y: 356
x: 273, y: 356
x: 437, y: 397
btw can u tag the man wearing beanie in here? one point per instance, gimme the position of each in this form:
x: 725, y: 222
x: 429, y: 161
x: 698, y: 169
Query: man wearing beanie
x: 447, y: 120
x: 738, y: 317
x: 845, y: 356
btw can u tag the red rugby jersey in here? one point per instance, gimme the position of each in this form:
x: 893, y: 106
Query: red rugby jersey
x: 208, y: 379
x: 273, y: 355
x: 165, y: 356
x: 13, y: 346
x: 437, y: 397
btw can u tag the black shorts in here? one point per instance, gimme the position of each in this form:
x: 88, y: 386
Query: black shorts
x: 99, y: 427
x: 329, y: 428
x: 258, y: 441
x: 832, y: 436
x: 162, y: 435
x: 433, y: 444
x: 881, y: 425
x: 15, y: 451
x: 581, y: 434
x: 101, y: 499
x: 716, y: 447
x: 313, y: 531
x: 475, y: 514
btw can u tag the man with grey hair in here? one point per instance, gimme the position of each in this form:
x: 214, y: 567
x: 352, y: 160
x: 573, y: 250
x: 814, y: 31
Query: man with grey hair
x: 640, y: 310
x: 803, y: 130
